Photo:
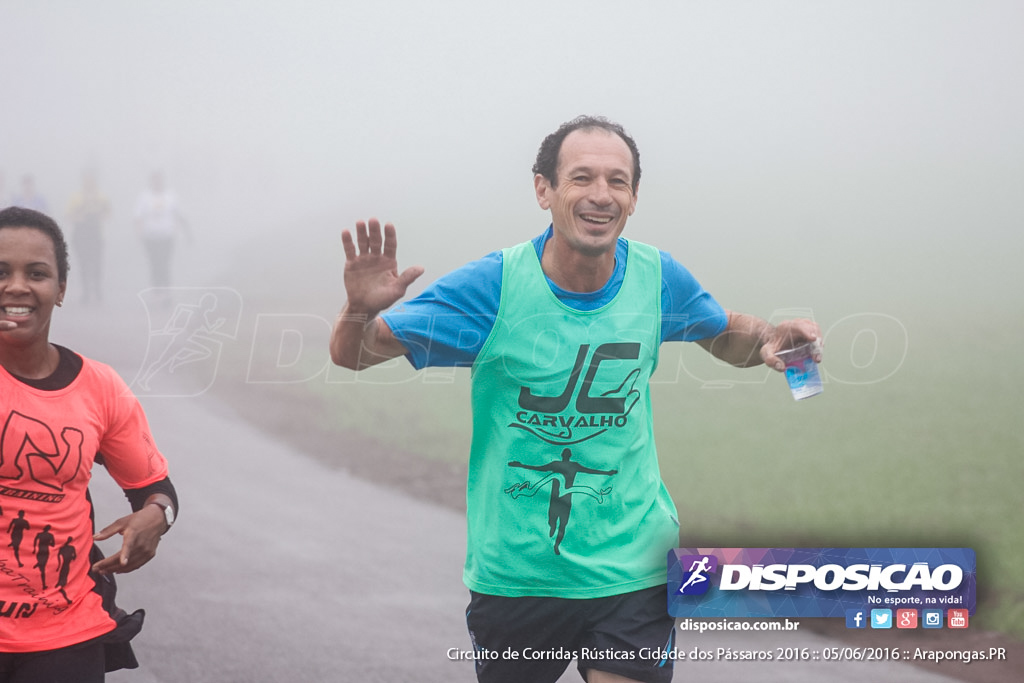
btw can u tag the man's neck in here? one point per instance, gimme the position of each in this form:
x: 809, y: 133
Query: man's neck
x: 574, y: 271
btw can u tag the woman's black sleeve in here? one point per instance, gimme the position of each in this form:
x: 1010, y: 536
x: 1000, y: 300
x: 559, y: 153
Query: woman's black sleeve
x: 137, y: 497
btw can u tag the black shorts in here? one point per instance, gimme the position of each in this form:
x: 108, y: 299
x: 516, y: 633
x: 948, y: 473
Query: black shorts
x: 535, y: 639
x: 82, y: 663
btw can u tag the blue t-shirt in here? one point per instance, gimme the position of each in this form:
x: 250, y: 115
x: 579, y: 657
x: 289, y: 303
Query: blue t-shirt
x: 449, y: 322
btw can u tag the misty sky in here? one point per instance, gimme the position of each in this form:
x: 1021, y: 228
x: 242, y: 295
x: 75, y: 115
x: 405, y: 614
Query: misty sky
x: 825, y: 144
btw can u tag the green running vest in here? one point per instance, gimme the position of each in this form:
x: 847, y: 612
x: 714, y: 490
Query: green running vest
x: 565, y: 497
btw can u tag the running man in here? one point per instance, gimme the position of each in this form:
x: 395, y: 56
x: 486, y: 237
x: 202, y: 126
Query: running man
x: 17, y: 528
x: 698, y: 570
x: 563, y: 485
x: 558, y: 331
x: 65, y: 556
x: 41, y: 547
x: 189, y: 328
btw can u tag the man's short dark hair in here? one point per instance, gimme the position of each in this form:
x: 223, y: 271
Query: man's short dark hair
x: 20, y: 217
x: 547, y: 157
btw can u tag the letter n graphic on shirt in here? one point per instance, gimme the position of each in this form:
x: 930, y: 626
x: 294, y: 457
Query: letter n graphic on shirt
x: 29, y: 445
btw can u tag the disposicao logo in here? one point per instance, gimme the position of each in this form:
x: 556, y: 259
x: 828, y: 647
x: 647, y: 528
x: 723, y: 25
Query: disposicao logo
x: 818, y: 582
x: 696, y: 580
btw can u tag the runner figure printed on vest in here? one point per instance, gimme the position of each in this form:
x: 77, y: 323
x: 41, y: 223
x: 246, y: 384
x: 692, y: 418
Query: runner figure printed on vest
x: 560, y: 472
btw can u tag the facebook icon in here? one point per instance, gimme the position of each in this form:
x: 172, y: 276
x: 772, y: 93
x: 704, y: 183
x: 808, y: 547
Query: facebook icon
x: 855, y: 618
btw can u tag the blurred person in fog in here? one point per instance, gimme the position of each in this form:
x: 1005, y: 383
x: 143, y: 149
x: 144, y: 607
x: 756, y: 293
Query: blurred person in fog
x: 28, y: 197
x: 87, y: 211
x: 159, y: 219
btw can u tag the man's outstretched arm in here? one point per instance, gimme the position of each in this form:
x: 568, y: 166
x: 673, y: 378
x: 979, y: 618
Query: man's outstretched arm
x: 359, y: 338
x: 748, y: 340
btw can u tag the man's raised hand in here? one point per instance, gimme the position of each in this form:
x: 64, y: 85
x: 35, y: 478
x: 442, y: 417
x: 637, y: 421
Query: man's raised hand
x: 372, y: 280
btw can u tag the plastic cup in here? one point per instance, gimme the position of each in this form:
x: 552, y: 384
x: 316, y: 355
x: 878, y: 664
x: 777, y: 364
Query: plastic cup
x: 801, y: 371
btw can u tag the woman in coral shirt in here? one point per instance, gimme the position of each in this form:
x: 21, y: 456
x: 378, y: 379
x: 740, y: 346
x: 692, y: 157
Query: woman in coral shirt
x: 60, y: 414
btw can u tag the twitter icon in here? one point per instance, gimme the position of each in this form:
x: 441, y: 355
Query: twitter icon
x: 881, y: 618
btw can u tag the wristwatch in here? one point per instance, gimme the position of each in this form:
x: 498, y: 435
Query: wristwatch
x: 168, y: 512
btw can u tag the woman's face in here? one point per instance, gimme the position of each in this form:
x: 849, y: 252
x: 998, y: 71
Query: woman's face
x: 29, y: 285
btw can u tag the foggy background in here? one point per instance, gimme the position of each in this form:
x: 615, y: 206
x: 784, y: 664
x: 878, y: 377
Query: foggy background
x: 855, y: 156
x: 846, y: 160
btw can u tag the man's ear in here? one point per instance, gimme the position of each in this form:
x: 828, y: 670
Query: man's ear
x: 636, y: 195
x: 542, y: 187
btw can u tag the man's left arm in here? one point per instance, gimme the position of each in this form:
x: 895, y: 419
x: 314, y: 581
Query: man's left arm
x: 748, y: 340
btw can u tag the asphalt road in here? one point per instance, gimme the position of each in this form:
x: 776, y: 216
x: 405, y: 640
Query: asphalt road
x: 282, y: 569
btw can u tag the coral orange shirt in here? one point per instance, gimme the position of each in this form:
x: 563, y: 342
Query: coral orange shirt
x: 49, y: 441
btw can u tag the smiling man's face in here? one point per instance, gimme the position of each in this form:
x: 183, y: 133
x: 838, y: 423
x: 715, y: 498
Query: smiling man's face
x: 594, y: 195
